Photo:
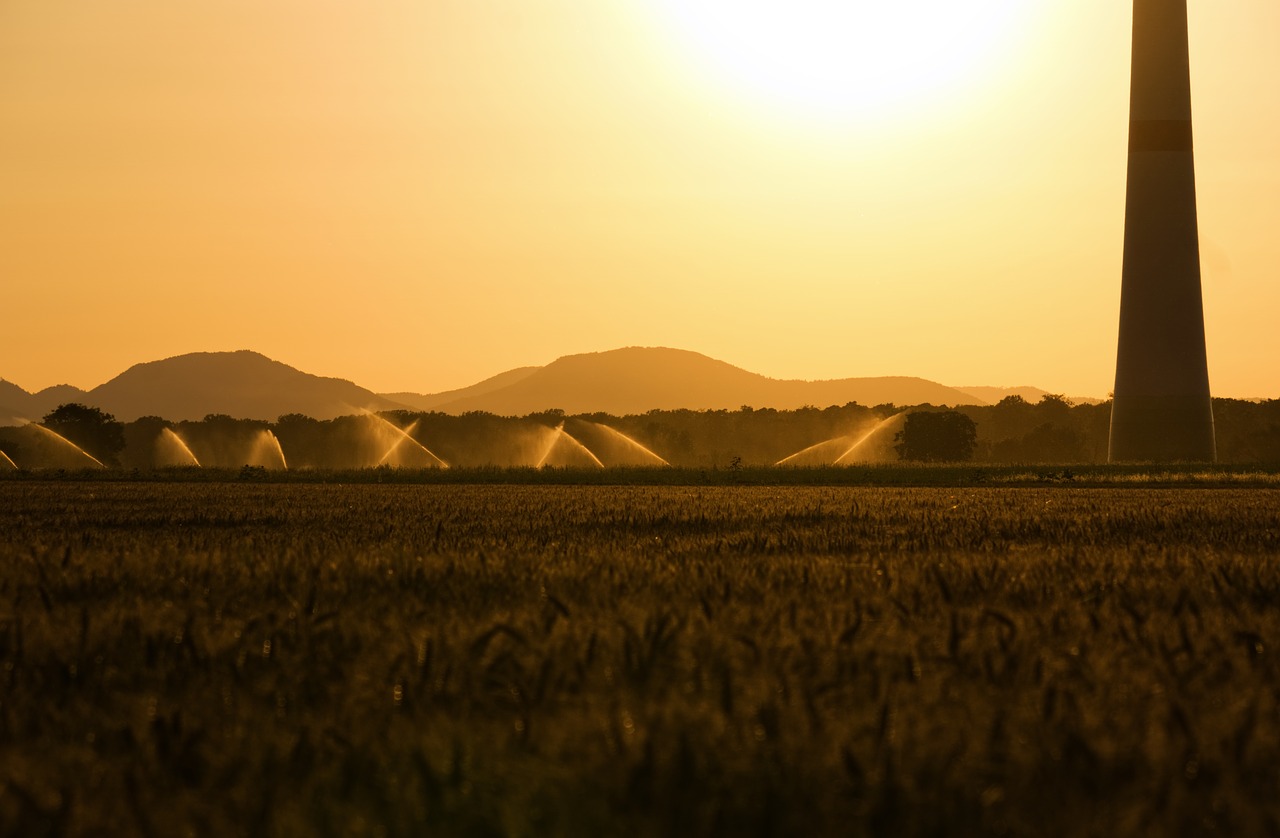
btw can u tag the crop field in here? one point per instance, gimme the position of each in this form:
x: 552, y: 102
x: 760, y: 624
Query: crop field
x: 281, y: 659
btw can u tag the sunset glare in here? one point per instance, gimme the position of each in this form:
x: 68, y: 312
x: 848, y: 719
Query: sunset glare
x: 418, y: 195
x: 834, y: 60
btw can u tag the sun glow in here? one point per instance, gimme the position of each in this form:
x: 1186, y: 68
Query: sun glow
x: 837, y: 58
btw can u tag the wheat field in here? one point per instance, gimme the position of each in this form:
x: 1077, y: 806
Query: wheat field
x: 276, y: 659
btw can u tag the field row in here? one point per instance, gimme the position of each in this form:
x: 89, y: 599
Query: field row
x: 270, y: 659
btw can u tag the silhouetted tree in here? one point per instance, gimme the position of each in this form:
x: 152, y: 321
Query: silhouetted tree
x: 140, y: 437
x: 1008, y: 417
x: 1247, y: 431
x: 306, y: 439
x: 937, y: 437
x: 1051, y: 443
x: 1056, y: 401
x: 93, y: 430
x: 1045, y: 443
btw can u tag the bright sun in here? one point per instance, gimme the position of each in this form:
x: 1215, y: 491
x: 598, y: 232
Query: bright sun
x: 837, y: 58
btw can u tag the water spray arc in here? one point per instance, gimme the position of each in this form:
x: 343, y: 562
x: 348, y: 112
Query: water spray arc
x: 402, y: 437
x: 860, y: 448
x: 266, y: 452
x: 848, y: 455
x: 170, y: 440
x: 63, y: 441
x: 405, y: 436
x: 644, y: 453
x: 794, y: 459
x: 7, y: 464
x: 558, y: 434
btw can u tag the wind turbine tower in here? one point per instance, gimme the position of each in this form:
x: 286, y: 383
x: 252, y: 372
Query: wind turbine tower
x: 1162, y: 410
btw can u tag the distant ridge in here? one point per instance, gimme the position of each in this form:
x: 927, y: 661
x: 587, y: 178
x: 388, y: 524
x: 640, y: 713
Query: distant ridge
x: 18, y: 406
x: 1033, y: 395
x: 243, y: 384
x: 639, y: 379
x: 633, y: 380
x: 14, y: 402
x: 433, y: 401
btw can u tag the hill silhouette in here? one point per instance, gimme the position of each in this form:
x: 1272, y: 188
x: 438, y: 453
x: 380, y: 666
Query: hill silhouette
x: 633, y: 380
x: 639, y: 379
x: 243, y: 384
x: 991, y: 395
x: 433, y: 401
x: 1032, y: 395
x: 14, y: 402
x: 18, y: 406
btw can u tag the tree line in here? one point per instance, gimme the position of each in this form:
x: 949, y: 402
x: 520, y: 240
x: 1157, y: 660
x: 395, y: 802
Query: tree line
x: 1052, y: 430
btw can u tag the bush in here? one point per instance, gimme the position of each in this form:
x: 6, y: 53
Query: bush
x: 937, y: 437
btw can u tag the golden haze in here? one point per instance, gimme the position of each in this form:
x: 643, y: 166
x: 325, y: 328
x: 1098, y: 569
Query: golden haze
x: 417, y: 195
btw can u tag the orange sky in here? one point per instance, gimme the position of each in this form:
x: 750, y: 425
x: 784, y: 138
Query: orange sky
x: 416, y: 194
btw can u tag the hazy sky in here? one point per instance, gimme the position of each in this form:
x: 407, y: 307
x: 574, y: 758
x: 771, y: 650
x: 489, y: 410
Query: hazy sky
x: 416, y: 194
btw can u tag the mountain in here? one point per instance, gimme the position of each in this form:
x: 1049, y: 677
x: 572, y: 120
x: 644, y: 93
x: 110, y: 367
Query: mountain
x: 992, y: 395
x: 47, y: 399
x: 15, y: 403
x: 434, y: 400
x: 18, y: 406
x: 640, y: 379
x: 243, y: 384
x: 633, y: 380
